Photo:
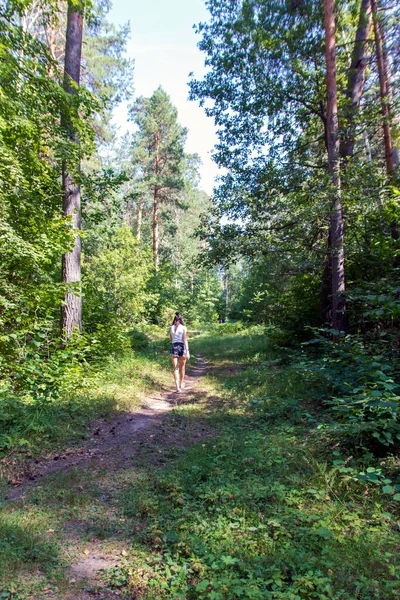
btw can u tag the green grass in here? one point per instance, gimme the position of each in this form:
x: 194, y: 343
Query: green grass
x: 34, y: 427
x: 248, y: 345
x: 259, y: 511
x: 239, y: 495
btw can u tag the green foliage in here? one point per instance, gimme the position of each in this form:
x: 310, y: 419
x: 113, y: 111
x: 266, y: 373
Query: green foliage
x: 265, y: 89
x: 207, y: 302
x: 55, y: 393
x: 114, y: 289
x: 230, y: 328
x: 138, y: 339
x: 107, y: 73
x: 158, y: 160
x: 36, y: 388
x: 101, y: 208
x: 240, y: 495
x: 263, y: 509
x: 266, y: 295
x: 33, y: 235
x: 198, y: 298
x: 289, y: 499
x: 360, y: 388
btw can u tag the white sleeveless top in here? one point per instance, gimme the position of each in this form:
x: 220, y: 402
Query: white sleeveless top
x: 177, y: 334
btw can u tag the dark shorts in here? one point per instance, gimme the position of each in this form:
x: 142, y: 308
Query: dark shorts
x: 178, y: 349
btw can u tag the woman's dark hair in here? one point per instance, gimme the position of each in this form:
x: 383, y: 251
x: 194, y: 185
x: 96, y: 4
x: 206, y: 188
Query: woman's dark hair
x: 178, y: 319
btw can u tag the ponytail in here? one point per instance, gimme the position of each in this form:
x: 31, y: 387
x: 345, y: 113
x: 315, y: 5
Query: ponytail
x: 178, y: 319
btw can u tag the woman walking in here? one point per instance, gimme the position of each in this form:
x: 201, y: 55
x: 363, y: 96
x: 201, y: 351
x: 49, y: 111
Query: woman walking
x: 179, y: 350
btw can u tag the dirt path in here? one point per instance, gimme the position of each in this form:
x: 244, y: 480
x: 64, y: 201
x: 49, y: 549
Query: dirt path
x: 114, y: 445
x: 111, y: 440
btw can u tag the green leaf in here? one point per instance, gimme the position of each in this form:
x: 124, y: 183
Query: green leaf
x: 229, y: 560
x: 324, y: 532
x: 203, y: 585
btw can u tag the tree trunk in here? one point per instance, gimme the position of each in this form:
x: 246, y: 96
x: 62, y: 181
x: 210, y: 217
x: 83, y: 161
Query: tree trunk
x: 71, y: 317
x: 226, y: 282
x: 368, y: 152
x: 355, y: 85
x: 336, y: 219
x: 384, y: 86
x: 139, y: 218
x: 326, y: 288
x: 192, y: 283
x: 389, y: 86
x: 156, y: 203
x: 155, y: 228
x: 356, y: 80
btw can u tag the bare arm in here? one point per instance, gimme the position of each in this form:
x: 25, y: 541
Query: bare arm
x: 185, y: 341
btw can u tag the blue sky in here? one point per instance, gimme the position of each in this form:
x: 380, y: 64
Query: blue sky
x: 164, y: 46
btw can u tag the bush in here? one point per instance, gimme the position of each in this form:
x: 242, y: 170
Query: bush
x: 138, y: 340
x: 229, y: 328
x: 114, y: 284
x: 106, y: 340
x: 36, y: 384
x: 363, y: 393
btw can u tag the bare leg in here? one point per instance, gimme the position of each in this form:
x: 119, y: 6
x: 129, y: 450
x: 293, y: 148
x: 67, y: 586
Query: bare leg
x: 182, y: 364
x: 176, y: 372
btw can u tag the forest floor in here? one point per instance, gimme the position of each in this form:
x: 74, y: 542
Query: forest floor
x: 225, y: 491
x: 112, y: 442
x: 79, y: 483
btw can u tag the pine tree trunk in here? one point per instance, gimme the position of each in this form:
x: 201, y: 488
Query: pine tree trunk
x: 71, y: 317
x: 386, y: 94
x: 384, y: 86
x: 336, y: 219
x: 226, y: 285
x: 355, y: 85
x: 155, y: 228
x: 156, y: 204
x: 389, y: 86
x: 139, y: 218
x: 359, y: 62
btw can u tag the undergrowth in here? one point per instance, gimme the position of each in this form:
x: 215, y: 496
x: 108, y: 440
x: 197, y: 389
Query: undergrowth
x: 48, y: 412
x: 271, y: 507
x: 264, y: 501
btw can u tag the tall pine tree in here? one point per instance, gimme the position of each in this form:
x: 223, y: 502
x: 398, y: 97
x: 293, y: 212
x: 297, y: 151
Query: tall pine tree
x: 158, y: 151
